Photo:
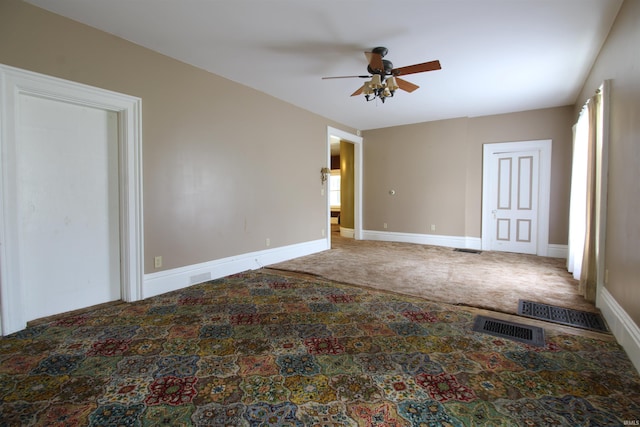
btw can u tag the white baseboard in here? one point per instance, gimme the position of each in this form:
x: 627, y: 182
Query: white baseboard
x: 557, y: 251
x: 621, y: 325
x: 424, y: 239
x: 347, y: 232
x: 178, y: 278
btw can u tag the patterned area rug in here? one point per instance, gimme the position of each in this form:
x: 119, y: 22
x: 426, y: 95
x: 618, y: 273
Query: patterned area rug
x: 258, y: 349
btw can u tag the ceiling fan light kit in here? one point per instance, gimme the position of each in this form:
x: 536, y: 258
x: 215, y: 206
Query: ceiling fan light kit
x: 384, y: 78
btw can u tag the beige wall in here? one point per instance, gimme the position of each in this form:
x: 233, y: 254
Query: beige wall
x: 225, y: 166
x: 435, y: 169
x: 619, y: 61
x: 426, y: 167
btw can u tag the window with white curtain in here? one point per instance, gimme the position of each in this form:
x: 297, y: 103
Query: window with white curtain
x: 587, y: 216
x: 578, y: 203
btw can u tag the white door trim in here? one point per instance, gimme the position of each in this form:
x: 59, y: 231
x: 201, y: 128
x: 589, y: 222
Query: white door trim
x: 15, y: 82
x: 357, y: 166
x: 544, y: 147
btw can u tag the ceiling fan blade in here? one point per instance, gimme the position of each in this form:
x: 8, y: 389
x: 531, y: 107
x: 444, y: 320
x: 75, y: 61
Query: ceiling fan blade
x: 374, y: 60
x: 417, y: 68
x: 405, y: 85
x: 359, y: 91
x: 346, y: 77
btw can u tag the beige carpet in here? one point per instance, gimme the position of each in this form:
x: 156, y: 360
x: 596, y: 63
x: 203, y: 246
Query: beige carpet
x: 490, y: 280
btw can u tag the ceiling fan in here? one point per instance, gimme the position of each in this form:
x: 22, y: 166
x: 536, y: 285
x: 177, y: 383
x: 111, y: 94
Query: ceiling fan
x: 385, y: 79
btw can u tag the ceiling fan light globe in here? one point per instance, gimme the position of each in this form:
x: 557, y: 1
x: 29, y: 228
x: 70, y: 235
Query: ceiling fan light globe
x: 376, y: 81
x: 392, y: 84
x: 367, y: 89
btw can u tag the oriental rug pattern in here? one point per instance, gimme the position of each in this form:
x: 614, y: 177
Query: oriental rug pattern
x: 258, y: 349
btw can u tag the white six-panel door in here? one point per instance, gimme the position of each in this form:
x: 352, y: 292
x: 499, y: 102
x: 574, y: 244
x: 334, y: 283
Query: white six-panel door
x: 515, y: 209
x: 516, y: 187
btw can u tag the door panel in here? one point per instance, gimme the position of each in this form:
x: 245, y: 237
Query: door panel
x: 515, y: 208
x: 67, y: 203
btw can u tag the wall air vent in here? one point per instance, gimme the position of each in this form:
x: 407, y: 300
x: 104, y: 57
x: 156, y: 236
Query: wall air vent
x: 468, y: 251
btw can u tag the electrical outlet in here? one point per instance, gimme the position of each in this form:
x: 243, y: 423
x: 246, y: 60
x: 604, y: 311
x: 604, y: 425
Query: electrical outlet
x: 157, y: 262
x: 433, y: 227
x: 323, y: 232
x: 384, y: 225
x: 268, y: 242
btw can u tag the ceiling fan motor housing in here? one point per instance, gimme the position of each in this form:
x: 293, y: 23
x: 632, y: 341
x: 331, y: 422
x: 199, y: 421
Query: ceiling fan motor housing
x: 382, y: 51
x: 387, y: 65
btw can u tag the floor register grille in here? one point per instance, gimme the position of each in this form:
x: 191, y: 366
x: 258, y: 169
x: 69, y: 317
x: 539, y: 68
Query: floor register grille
x: 532, y: 335
x: 563, y: 316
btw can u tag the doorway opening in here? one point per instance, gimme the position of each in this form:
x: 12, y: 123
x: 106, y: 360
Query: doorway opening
x: 336, y: 138
x: 335, y: 181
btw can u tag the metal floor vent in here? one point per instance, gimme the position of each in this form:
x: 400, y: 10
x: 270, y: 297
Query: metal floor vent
x: 532, y: 335
x: 563, y: 316
x: 469, y: 251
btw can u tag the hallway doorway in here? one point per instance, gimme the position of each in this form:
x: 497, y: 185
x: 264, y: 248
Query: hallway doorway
x: 355, y: 140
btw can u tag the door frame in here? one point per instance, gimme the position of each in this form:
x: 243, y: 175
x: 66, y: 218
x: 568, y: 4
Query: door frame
x: 543, y: 146
x: 15, y: 82
x: 356, y: 140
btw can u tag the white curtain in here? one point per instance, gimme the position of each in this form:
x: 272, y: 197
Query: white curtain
x: 582, y: 260
x: 578, y: 200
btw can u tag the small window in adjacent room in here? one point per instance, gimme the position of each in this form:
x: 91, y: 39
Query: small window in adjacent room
x: 334, y: 188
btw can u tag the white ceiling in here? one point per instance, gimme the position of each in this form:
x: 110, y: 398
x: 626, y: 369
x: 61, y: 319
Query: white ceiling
x: 497, y: 56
